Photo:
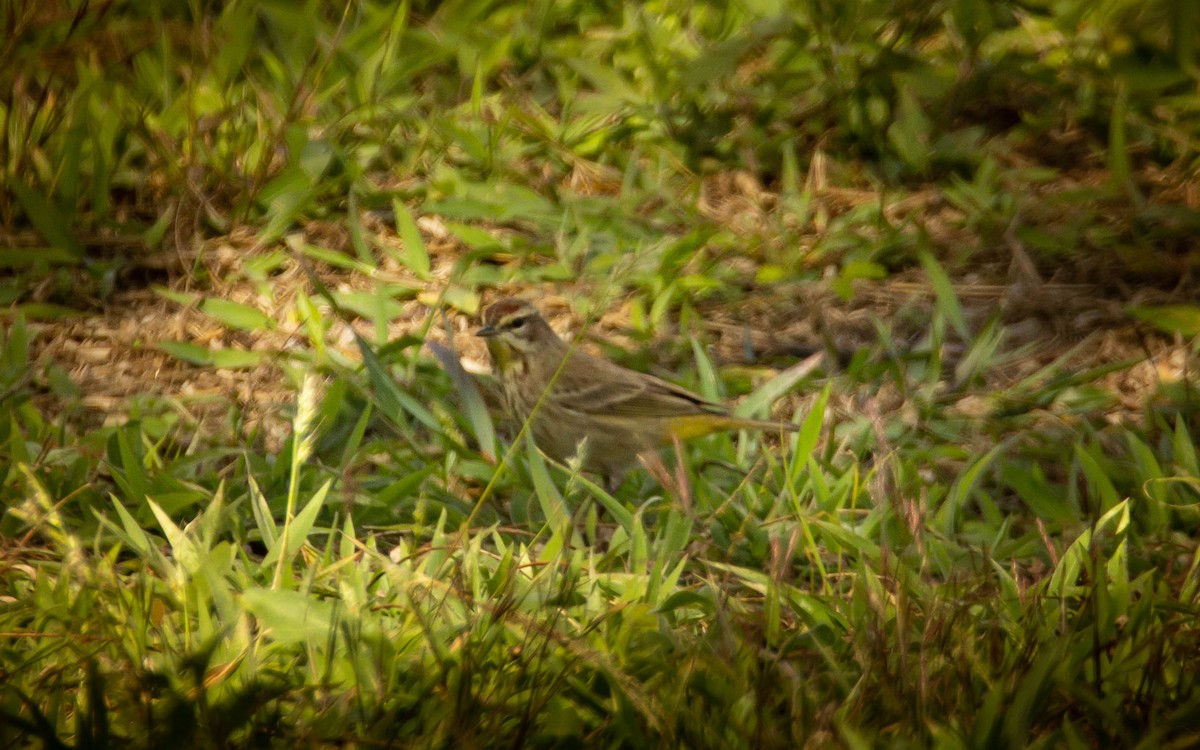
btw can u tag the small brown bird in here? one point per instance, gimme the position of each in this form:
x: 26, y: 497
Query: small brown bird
x: 572, y: 396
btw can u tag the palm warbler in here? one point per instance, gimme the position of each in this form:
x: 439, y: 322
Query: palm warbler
x: 575, y: 398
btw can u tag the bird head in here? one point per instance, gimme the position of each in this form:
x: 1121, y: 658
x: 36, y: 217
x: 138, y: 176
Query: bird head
x: 514, y: 327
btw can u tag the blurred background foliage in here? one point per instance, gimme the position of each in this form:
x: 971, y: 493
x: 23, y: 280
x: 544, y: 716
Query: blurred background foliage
x: 277, y: 112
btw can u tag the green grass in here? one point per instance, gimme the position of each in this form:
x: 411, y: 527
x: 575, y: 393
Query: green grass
x: 945, y: 555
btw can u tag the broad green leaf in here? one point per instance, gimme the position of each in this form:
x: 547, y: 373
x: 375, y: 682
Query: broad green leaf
x: 613, y: 506
x: 52, y: 223
x: 135, y: 536
x: 415, y: 256
x: 45, y: 311
x: 297, y: 530
x: 815, y: 610
x: 392, y: 398
x: 476, y: 238
x: 910, y: 130
x: 1119, y: 163
x: 549, y: 498
x: 237, y: 315
x: 292, y: 616
x: 228, y: 359
x: 25, y: 257
x: 286, y: 197
x: 468, y: 392
x: 331, y: 257
x: 1098, y: 479
x: 453, y: 295
x: 237, y: 359
x: 261, y: 510
x: 176, y: 296
x: 710, y: 386
x: 358, y: 237
x: 1181, y: 319
x: 760, y: 401
x: 947, y: 298
x: 183, y: 547
x: 381, y: 305
x: 961, y: 490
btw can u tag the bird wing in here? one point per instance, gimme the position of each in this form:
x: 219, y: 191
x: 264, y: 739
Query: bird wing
x: 616, y: 391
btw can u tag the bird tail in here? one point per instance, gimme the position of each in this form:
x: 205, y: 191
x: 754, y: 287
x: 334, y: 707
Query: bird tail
x: 699, y: 425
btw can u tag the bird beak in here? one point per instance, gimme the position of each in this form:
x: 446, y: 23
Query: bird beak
x: 486, y: 331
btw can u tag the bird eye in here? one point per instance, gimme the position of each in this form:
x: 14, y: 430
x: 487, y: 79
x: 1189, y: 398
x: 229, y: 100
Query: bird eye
x: 518, y: 323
